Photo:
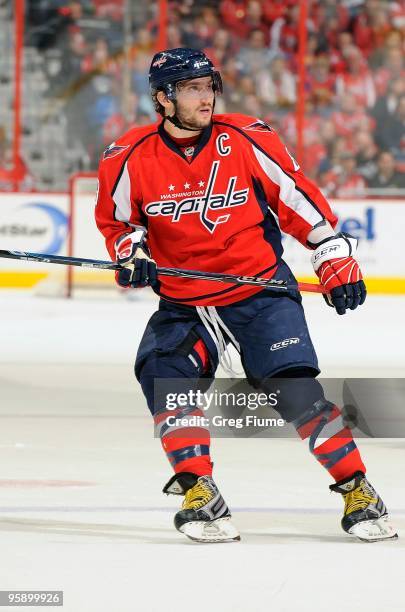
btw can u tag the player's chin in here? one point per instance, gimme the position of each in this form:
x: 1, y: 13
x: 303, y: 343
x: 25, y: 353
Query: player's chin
x: 203, y: 117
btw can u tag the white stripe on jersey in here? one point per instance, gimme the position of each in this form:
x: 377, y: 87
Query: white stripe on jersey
x: 290, y: 196
x: 122, y: 196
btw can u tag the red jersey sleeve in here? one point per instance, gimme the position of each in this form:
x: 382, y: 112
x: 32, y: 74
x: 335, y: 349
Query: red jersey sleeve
x: 296, y: 200
x: 117, y: 209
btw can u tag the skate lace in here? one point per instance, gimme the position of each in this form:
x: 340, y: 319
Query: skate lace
x: 359, y: 499
x: 197, y: 496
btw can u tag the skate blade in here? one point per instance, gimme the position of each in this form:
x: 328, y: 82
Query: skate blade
x: 374, y: 530
x: 219, y: 530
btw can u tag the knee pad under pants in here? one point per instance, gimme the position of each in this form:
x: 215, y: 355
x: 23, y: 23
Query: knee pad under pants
x: 300, y: 397
x: 164, y: 374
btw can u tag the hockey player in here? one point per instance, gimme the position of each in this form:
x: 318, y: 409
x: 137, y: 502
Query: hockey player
x: 202, y: 191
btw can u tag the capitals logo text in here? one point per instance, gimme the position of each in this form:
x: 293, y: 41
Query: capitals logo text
x: 202, y: 204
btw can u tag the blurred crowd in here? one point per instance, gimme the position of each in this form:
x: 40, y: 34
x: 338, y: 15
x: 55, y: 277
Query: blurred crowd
x: 354, y: 127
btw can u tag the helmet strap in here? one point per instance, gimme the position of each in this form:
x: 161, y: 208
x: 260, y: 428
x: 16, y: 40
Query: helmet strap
x: 176, y: 121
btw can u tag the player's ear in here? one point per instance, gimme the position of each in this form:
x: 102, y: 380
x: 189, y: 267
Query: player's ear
x: 163, y: 99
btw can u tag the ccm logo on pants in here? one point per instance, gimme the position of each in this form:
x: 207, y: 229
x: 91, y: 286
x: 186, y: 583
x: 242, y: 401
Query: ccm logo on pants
x: 284, y: 343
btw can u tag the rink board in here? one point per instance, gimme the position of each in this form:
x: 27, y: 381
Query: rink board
x: 39, y: 222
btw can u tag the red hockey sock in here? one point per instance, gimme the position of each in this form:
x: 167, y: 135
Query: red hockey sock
x: 331, y: 442
x: 187, y: 446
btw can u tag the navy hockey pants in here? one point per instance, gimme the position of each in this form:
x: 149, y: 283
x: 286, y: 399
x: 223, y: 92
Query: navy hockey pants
x: 270, y: 328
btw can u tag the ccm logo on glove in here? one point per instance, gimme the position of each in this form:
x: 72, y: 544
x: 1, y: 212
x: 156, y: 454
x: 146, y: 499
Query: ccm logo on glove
x: 339, y: 272
x: 327, y: 251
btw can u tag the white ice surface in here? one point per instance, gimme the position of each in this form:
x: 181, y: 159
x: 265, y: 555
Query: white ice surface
x: 81, y: 507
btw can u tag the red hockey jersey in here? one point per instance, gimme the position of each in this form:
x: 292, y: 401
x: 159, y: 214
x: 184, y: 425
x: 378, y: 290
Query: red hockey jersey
x: 220, y: 212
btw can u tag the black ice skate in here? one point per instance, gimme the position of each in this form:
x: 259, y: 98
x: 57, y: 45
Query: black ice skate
x: 365, y: 514
x: 204, y: 516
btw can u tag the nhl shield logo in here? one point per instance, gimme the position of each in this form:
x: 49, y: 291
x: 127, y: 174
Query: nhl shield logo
x: 189, y: 151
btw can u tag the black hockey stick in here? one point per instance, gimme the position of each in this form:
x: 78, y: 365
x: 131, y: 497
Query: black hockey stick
x: 179, y: 272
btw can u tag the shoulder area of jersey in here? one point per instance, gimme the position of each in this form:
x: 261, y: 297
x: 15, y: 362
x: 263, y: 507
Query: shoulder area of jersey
x: 245, y: 123
x: 122, y: 146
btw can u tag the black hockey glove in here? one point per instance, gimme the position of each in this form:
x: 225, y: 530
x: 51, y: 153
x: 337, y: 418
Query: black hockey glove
x: 139, y: 268
x: 339, y: 272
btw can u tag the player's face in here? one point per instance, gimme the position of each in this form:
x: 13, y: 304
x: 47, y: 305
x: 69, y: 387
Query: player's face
x: 195, y: 102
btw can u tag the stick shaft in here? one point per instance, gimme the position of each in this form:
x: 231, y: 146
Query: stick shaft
x: 177, y: 272
x: 60, y: 259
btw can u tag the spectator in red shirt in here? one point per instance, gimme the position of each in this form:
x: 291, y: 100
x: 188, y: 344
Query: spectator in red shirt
x: 357, y: 80
x: 342, y: 180
x: 350, y: 183
x: 337, y: 54
x: 371, y: 26
x: 321, y: 82
x: 349, y: 116
x: 254, y: 19
x: 274, y: 9
x: 284, y: 31
x: 233, y: 13
x: 312, y: 123
x: 243, y: 17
